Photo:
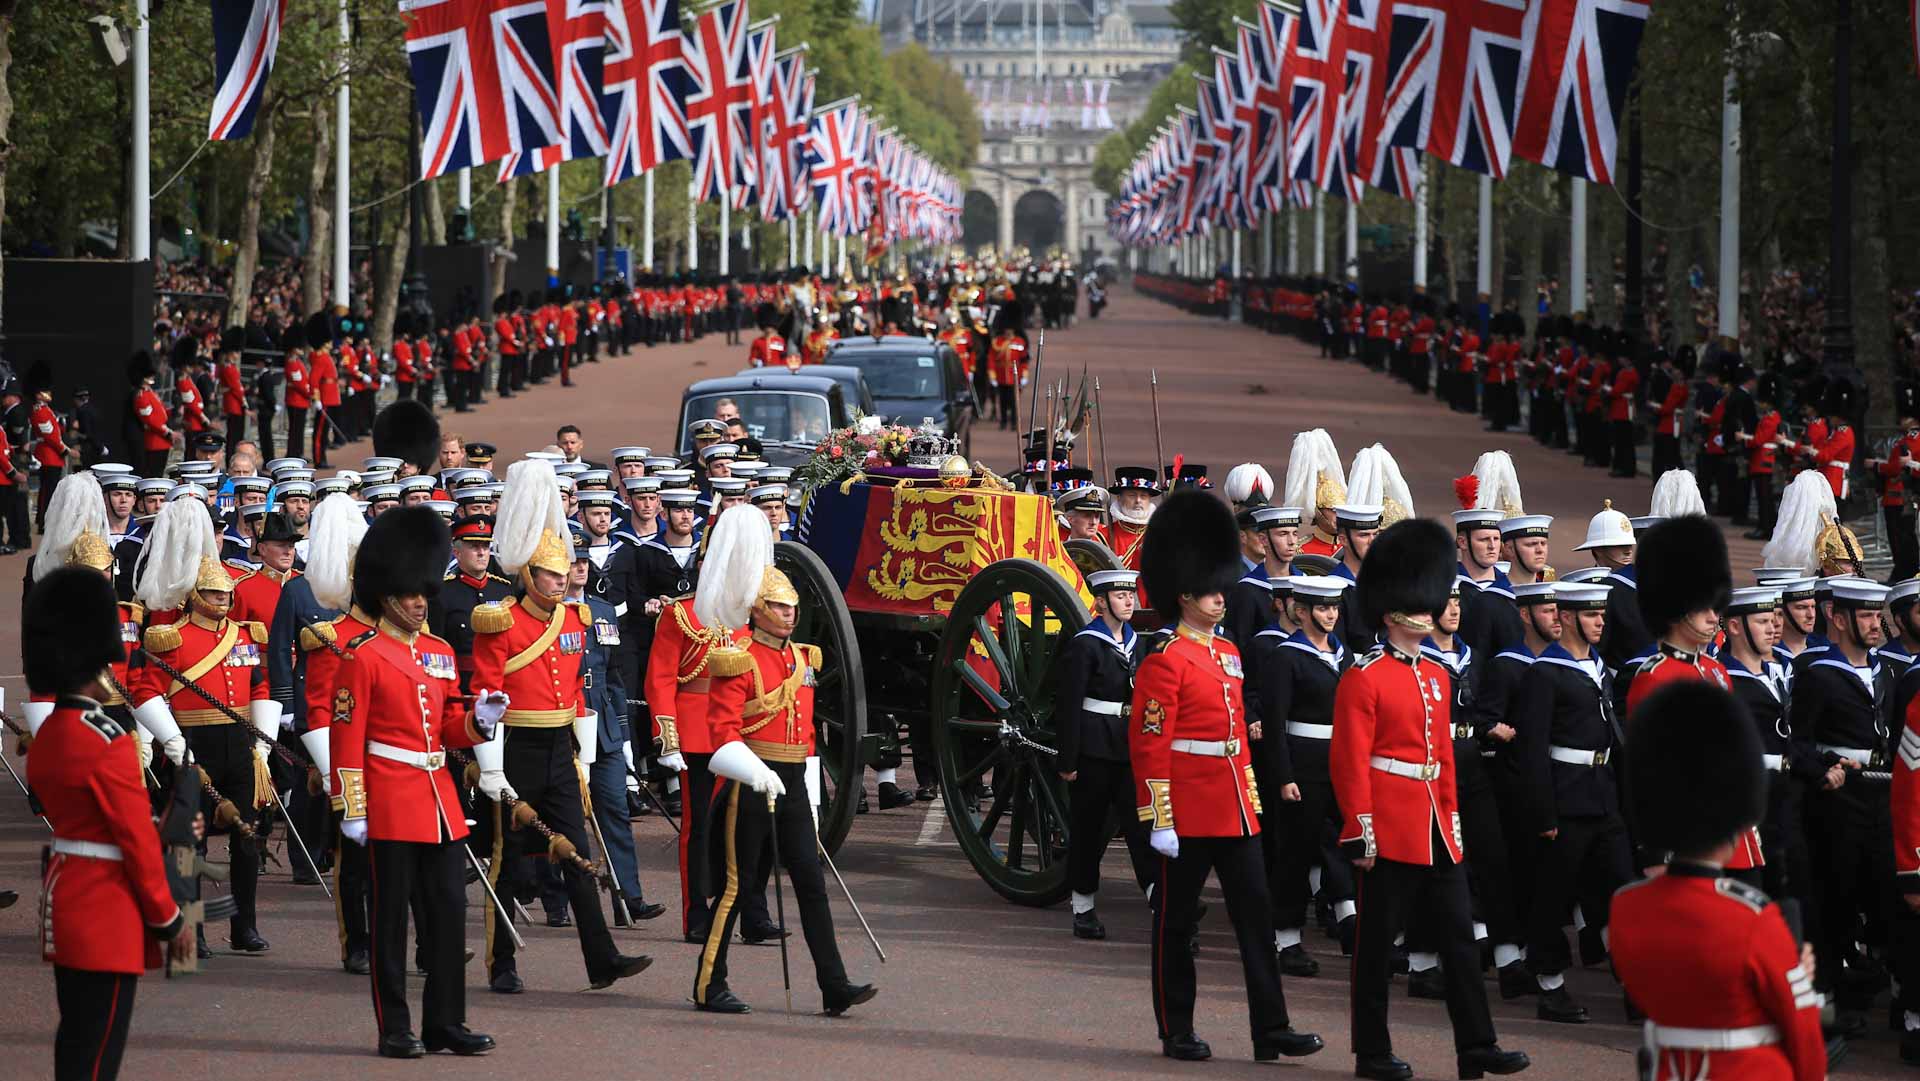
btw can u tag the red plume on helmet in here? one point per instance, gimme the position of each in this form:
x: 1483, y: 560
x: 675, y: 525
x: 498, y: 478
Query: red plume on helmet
x: 1466, y: 489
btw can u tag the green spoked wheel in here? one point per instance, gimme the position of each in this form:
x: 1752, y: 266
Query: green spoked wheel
x: 1091, y: 555
x: 840, y: 691
x: 994, y: 731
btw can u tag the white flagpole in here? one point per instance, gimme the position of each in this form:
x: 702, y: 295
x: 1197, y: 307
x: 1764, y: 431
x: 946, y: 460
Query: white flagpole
x: 1293, y: 239
x: 693, y: 233
x: 1483, y: 254
x: 343, y: 173
x: 466, y: 190
x: 1320, y: 235
x: 646, y: 233
x: 793, y: 238
x: 1730, y: 207
x: 1577, y: 253
x: 553, y: 220
x: 726, y: 229
x: 140, y: 245
x: 1420, y: 227
x: 1351, y: 268
x: 807, y: 254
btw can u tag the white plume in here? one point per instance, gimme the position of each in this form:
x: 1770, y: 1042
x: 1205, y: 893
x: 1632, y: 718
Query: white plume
x: 1805, y: 509
x: 1375, y: 481
x: 1499, y: 487
x: 1677, y: 493
x: 1313, y: 453
x: 182, y: 536
x: 1249, y: 482
x: 78, y: 506
x: 529, y: 506
x: 739, y: 551
x: 333, y: 537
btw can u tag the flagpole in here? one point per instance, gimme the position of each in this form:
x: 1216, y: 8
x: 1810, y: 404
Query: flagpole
x: 1320, y: 235
x: 343, y: 173
x: 1729, y: 321
x: 808, y: 229
x: 793, y: 237
x: 1420, y: 227
x: 646, y: 235
x: 466, y: 193
x: 1577, y: 250
x: 1350, y: 267
x: 140, y: 247
x: 1293, y: 239
x: 1483, y: 254
x: 693, y: 232
x: 726, y: 228
x: 553, y: 223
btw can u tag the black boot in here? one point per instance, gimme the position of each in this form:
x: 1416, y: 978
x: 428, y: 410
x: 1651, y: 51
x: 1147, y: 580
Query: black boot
x: 1426, y: 983
x: 1559, y: 1005
x: 1286, y: 1042
x: 1478, y: 1061
x: 248, y: 940
x: 1296, y: 961
x: 619, y: 968
x: 401, y: 1045
x: 1186, y: 1047
x: 1516, y: 981
x: 723, y: 1001
x: 1386, y: 1067
x: 1087, y: 925
x: 457, y: 1039
x: 843, y: 998
x: 891, y: 796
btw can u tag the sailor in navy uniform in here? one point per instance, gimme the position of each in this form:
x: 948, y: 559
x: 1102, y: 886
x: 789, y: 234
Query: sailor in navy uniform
x: 1903, y: 620
x: 1799, y: 615
x: 1291, y: 686
x: 609, y: 571
x: 1357, y: 525
x: 1760, y: 683
x: 1489, y: 620
x: 1250, y: 601
x: 1499, y: 691
x: 1095, y: 669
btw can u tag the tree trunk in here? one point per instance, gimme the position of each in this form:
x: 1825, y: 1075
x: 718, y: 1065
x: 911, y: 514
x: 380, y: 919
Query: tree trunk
x: 7, y: 8
x: 388, y: 273
x: 509, y: 197
x: 1497, y: 281
x: 1872, y: 304
x: 211, y: 222
x: 316, y: 267
x: 436, y: 217
x: 259, y: 172
x: 1533, y: 251
x: 1600, y: 248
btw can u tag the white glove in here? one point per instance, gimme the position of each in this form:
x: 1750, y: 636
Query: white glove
x: 154, y: 716
x: 321, y: 751
x: 355, y: 830
x: 37, y: 714
x: 493, y: 785
x: 1166, y: 842
x: 767, y: 782
x: 735, y: 762
x: 674, y: 762
x: 488, y: 708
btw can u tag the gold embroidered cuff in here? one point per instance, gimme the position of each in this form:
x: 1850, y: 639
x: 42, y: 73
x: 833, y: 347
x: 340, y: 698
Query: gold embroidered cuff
x: 1159, y: 810
x: 353, y: 793
x: 669, y: 737
x: 1253, y: 791
x: 1366, y: 835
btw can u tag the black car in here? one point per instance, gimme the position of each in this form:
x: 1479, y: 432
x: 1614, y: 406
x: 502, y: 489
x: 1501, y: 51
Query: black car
x: 913, y: 380
x: 788, y: 414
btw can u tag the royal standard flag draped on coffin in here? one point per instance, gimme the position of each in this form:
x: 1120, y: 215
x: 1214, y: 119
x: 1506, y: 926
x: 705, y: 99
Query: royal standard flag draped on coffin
x: 911, y: 550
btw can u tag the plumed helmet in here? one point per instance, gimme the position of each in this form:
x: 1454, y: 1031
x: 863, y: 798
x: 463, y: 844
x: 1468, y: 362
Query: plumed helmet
x: 1676, y: 493
x: 1681, y: 567
x: 1375, y: 481
x: 333, y: 537
x: 78, y: 508
x: 404, y: 552
x: 1807, y: 508
x: 530, y: 523
x: 1409, y: 568
x: 1249, y: 483
x: 1695, y: 777
x: 181, y: 543
x: 70, y: 631
x: 739, y: 554
x: 1315, y: 478
x: 408, y: 431
x: 1191, y: 547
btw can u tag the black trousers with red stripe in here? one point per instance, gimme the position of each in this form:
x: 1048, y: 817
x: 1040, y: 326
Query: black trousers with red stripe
x: 1243, y: 879
x: 437, y: 872
x: 95, y: 1009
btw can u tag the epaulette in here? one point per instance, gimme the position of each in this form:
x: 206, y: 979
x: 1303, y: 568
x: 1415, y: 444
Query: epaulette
x: 492, y: 617
x: 162, y: 638
x: 257, y: 630
x: 319, y: 635
x: 1734, y: 889
x: 135, y: 609
x: 1371, y: 656
x: 244, y: 574
x: 729, y: 661
x: 451, y: 575
x: 1157, y: 643
x: 499, y: 579
x: 1659, y: 657
x: 99, y: 720
x: 360, y: 639
x: 584, y: 611
x: 810, y: 655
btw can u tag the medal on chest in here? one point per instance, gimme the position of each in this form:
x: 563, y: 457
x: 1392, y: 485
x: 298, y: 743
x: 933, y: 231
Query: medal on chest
x: 572, y: 642
x: 245, y: 655
x: 1230, y: 664
x: 605, y: 633
x: 439, y: 665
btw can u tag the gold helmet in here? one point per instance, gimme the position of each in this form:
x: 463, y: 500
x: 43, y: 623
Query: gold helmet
x: 90, y: 549
x: 1836, y: 547
x: 775, y: 588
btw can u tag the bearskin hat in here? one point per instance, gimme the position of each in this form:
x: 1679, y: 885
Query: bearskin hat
x: 186, y: 350
x: 408, y: 431
x: 139, y: 368
x: 70, y: 630
x: 1681, y: 567
x: 1838, y: 399
x: 319, y: 329
x: 1192, y: 546
x: 233, y: 340
x: 1409, y: 568
x: 294, y: 337
x: 405, y: 551
x: 1695, y: 777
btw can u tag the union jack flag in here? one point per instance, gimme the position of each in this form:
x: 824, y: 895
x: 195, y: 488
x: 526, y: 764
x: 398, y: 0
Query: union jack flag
x: 646, y: 83
x: 1262, y: 114
x: 483, y: 79
x: 1455, y: 79
x: 1580, y: 56
x: 578, y: 29
x: 1317, y: 148
x: 1393, y: 169
x: 721, y: 102
x: 835, y: 144
x: 245, y: 35
x: 1239, y: 117
x: 782, y: 168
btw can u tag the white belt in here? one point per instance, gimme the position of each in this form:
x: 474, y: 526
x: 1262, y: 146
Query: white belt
x: 1101, y: 705
x: 1774, y: 761
x: 1309, y: 731
x: 427, y: 760
x: 91, y: 849
x: 1425, y: 771
x: 1712, y: 1039
x: 1858, y: 754
x: 1577, y: 756
x: 1208, y: 748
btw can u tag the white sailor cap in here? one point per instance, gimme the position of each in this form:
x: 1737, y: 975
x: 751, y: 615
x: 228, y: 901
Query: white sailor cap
x: 1750, y: 599
x: 378, y: 476
x: 596, y: 497
x: 153, y: 486
x: 419, y: 482
x: 728, y: 485
x: 1534, y: 593
x: 292, y: 473
x: 767, y: 493
x: 1793, y: 585
x: 728, y: 451
x: 1277, y: 517
x: 776, y: 474
x: 331, y: 485
x: 1358, y: 515
x: 658, y: 462
x: 380, y: 493
x: 748, y: 468
x: 1905, y: 590
x: 593, y: 478
x: 277, y: 464
x: 183, y: 491
x: 679, y: 497
x: 641, y: 485
x: 296, y: 489
x: 675, y: 478
x: 1858, y: 593
x: 1526, y: 525
x: 251, y: 484
x: 570, y: 469
x: 464, y: 476
x: 1319, y: 588
x: 551, y: 457
x: 443, y: 507
x: 113, y: 475
x: 1107, y: 581
x: 1586, y: 574
x: 1466, y: 521
x: 474, y: 493
x: 564, y: 483
x: 1582, y: 596
x: 623, y: 455
x: 380, y: 464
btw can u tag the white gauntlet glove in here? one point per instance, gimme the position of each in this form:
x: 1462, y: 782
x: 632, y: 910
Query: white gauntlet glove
x: 1166, y: 842
x: 355, y: 830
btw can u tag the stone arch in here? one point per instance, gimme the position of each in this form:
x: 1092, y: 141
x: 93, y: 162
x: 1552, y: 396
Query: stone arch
x: 1039, y: 221
x: 980, y: 220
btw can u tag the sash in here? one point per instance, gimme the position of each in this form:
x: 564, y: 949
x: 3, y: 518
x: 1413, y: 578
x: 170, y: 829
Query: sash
x: 214, y: 658
x: 539, y: 647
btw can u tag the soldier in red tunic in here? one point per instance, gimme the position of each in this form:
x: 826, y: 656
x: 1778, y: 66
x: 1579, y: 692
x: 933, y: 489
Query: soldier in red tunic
x: 106, y: 905
x: 396, y: 709
x: 1727, y: 991
x: 761, y: 717
x: 1393, y: 776
x: 1188, y: 743
x: 531, y: 651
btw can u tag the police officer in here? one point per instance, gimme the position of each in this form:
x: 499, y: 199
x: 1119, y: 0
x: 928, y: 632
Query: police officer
x: 1095, y: 669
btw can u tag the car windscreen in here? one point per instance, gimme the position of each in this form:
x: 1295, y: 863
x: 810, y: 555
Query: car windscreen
x: 897, y: 375
x: 770, y: 416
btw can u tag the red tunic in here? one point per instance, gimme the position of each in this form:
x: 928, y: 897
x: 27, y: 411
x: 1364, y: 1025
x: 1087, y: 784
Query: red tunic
x: 1669, y: 665
x: 1007, y: 360
x: 323, y: 672
x: 224, y: 661
x: 100, y: 914
x: 770, y: 705
x: 1700, y: 952
x: 768, y: 351
x: 1760, y: 452
x: 404, y: 695
x: 257, y: 593
x: 1832, y: 456
x: 1189, y: 691
x: 402, y: 363
x: 677, y: 679
x: 48, y: 447
x: 1390, y: 706
x: 1905, y: 798
x: 326, y: 379
x: 233, y: 393
x: 1620, y: 396
x: 544, y: 683
x: 299, y: 385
